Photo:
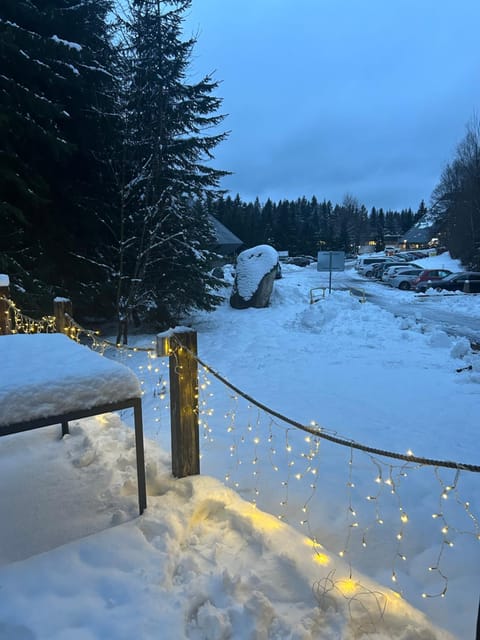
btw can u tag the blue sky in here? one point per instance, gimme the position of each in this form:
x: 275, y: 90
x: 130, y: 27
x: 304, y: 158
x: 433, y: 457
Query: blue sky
x: 333, y: 97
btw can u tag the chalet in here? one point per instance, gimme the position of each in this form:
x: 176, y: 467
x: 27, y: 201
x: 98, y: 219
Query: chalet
x: 227, y: 242
x: 423, y: 234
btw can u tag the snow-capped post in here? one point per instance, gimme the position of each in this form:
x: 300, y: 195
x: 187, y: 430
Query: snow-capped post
x: 62, y: 306
x: 4, y: 306
x: 180, y: 344
x: 466, y: 286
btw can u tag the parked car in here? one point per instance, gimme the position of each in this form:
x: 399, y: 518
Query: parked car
x: 403, y: 279
x: 378, y: 269
x: 467, y: 281
x: 364, y: 265
x: 390, y: 271
x: 299, y: 261
x: 429, y: 275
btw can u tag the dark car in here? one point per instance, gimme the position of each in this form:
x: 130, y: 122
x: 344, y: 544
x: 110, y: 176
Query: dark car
x: 466, y: 281
x: 299, y: 261
x: 379, y: 268
x: 430, y: 274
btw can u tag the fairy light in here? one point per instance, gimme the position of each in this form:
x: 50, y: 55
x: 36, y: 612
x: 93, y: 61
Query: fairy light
x: 295, y: 462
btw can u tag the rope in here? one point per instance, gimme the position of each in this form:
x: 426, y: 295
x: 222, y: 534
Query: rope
x: 126, y: 347
x: 321, y: 433
x: 94, y: 335
x: 318, y: 432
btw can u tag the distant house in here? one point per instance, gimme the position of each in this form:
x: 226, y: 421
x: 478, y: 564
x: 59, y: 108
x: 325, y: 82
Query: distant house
x: 422, y: 235
x: 227, y: 242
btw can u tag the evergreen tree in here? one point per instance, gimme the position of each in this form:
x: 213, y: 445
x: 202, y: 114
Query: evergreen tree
x: 164, y: 260
x: 56, y: 97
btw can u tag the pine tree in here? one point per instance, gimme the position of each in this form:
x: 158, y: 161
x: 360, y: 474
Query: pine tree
x: 165, y: 261
x: 56, y: 98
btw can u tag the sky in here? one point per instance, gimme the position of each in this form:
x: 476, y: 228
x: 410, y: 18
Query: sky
x: 337, y: 97
x: 230, y: 553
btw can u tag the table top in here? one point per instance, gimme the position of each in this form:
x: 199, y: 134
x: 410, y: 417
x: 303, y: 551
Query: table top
x: 45, y: 375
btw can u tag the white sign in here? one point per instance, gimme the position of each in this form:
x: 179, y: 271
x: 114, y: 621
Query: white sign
x: 331, y: 261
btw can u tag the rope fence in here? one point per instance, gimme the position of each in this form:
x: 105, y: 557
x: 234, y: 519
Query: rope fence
x: 320, y: 432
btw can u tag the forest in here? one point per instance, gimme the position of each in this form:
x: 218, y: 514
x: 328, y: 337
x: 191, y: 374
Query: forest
x: 108, y: 177
x: 308, y: 226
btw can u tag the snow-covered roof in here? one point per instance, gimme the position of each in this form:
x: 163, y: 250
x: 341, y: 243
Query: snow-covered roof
x: 49, y: 374
x: 423, y: 230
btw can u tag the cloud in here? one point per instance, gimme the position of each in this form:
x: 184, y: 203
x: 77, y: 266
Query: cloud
x: 326, y: 97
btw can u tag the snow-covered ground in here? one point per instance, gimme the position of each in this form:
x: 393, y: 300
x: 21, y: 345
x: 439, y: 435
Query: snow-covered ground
x: 203, y: 562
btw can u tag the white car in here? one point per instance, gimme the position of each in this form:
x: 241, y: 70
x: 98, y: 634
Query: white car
x: 390, y: 272
x: 403, y: 279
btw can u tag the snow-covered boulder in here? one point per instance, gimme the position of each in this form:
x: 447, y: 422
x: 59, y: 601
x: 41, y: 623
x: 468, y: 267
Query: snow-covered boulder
x: 255, y: 274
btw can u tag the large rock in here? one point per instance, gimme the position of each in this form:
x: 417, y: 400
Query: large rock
x: 256, y: 271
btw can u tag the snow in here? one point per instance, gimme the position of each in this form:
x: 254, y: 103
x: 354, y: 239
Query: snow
x: 203, y: 562
x: 252, y: 265
x: 66, y: 43
x: 4, y: 280
x: 49, y: 374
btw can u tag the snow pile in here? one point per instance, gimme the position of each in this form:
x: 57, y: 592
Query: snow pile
x: 201, y: 563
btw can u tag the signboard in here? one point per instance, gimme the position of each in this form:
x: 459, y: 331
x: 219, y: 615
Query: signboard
x: 331, y: 261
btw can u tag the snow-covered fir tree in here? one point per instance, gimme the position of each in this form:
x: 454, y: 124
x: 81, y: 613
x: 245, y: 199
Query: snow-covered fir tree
x: 165, y: 252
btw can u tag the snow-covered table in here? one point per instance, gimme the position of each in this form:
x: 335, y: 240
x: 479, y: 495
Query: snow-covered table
x: 48, y: 379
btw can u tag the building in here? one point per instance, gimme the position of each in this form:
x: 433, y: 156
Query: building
x: 423, y: 234
x: 227, y: 242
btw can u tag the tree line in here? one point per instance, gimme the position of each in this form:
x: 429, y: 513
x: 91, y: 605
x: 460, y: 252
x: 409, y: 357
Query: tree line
x: 306, y: 226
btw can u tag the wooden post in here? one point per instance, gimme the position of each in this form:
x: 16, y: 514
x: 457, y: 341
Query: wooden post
x: 184, y: 402
x: 61, y: 306
x: 5, y: 326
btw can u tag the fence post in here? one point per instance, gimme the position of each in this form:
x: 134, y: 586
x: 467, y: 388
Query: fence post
x: 61, y: 306
x: 181, y: 346
x: 5, y: 327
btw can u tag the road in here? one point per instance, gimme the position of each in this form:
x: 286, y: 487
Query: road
x: 457, y: 319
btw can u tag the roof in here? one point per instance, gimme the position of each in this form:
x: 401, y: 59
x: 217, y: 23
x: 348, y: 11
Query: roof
x: 226, y: 241
x: 422, y: 231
